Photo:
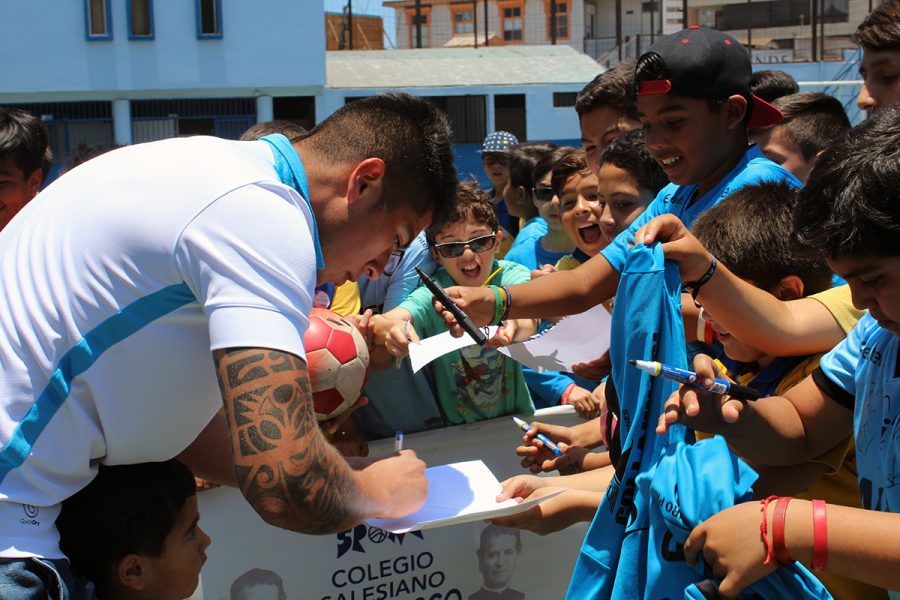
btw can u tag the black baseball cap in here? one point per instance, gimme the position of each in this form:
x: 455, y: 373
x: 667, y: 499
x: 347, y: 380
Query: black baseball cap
x: 705, y: 63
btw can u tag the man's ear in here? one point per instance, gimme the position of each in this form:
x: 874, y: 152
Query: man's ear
x: 131, y: 572
x: 789, y: 288
x: 34, y: 182
x: 735, y: 109
x: 366, y: 181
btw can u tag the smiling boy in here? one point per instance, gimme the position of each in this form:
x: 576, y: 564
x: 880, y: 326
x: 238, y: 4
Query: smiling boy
x: 694, y: 102
x: 475, y: 382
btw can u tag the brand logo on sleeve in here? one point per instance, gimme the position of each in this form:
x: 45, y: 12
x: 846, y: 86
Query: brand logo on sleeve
x: 31, y: 511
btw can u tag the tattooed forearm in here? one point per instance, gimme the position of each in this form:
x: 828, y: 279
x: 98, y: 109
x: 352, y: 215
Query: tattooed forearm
x: 284, y: 466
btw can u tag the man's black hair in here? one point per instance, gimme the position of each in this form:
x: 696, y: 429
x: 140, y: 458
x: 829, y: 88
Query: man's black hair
x: 545, y: 164
x: 750, y: 233
x: 24, y: 139
x: 770, y: 84
x: 629, y: 153
x: 410, y: 134
x: 850, y: 207
x: 126, y: 509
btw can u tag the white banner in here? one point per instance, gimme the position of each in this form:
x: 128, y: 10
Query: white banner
x: 250, y: 559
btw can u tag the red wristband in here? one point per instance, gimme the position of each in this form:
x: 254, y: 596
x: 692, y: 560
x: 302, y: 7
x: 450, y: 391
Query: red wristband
x: 763, y: 527
x: 566, y: 393
x: 820, y: 536
x: 779, y: 550
x: 709, y: 334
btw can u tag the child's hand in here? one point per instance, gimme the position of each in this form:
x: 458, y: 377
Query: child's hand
x: 537, y: 458
x: 544, y: 270
x: 596, y: 369
x: 730, y: 542
x: 678, y: 244
x: 549, y: 516
x: 504, y: 335
x: 399, y: 337
x: 479, y: 303
x: 586, y: 403
x: 366, y: 326
x: 703, y: 411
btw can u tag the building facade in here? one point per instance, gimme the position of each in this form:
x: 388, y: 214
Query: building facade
x: 123, y: 71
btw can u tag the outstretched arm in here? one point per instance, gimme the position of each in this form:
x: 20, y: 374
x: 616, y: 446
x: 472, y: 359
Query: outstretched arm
x: 558, y: 294
x: 773, y: 326
x: 287, y: 471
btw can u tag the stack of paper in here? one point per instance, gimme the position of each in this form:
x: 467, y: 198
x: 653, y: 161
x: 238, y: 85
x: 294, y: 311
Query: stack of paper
x: 458, y: 493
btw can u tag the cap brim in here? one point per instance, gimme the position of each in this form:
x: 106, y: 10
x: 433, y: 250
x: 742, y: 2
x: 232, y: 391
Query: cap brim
x: 763, y: 114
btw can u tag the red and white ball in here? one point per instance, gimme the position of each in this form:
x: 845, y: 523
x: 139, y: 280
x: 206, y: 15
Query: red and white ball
x: 338, y: 361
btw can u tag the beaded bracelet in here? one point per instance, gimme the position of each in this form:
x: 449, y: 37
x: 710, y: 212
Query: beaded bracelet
x: 763, y: 527
x: 505, y: 314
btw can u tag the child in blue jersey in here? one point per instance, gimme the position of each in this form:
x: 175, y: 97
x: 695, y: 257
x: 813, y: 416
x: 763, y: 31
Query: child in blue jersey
x: 849, y: 213
x: 517, y: 194
x: 694, y: 101
x: 475, y: 382
x: 548, y: 388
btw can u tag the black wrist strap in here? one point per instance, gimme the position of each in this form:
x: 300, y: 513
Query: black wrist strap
x: 694, y: 286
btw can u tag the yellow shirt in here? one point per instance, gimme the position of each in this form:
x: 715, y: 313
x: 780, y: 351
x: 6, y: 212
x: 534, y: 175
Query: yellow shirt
x: 346, y: 299
x: 839, y: 303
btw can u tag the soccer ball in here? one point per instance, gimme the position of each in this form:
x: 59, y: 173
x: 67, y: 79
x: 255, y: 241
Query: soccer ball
x: 338, y: 361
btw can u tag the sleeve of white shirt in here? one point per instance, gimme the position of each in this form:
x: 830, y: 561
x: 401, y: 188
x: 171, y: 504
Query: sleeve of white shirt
x: 250, y: 260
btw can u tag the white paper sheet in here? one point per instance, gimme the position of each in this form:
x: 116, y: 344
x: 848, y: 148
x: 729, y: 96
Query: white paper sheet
x: 438, y: 345
x: 458, y: 493
x: 575, y: 339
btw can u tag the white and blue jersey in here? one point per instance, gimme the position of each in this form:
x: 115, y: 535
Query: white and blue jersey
x: 118, y: 280
x: 863, y: 374
x: 679, y: 199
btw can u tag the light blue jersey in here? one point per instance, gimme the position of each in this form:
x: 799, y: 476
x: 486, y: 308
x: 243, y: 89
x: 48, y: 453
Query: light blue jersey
x: 864, y: 367
x: 677, y: 199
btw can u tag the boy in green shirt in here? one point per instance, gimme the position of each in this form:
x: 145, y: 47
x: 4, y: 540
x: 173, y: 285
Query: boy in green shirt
x: 475, y: 382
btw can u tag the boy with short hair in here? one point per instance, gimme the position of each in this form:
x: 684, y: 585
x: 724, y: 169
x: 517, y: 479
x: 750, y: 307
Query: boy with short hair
x: 848, y: 214
x: 474, y: 383
x: 606, y: 109
x: 879, y: 37
x: 812, y: 122
x: 694, y: 101
x: 24, y: 160
x: 517, y: 195
x: 770, y: 84
x: 549, y: 388
x: 133, y: 531
x: 749, y: 232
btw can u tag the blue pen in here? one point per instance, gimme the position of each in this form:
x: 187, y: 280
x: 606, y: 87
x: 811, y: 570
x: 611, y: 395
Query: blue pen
x: 719, y: 386
x: 398, y: 441
x: 550, y: 445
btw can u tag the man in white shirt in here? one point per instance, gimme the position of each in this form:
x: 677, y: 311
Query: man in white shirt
x: 149, y: 285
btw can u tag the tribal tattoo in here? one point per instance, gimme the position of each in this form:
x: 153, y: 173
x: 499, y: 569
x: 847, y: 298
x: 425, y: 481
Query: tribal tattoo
x: 284, y: 466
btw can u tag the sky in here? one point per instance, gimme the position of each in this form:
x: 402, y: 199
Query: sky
x: 369, y: 7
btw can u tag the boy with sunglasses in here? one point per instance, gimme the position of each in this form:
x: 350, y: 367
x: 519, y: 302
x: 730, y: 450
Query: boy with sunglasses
x: 474, y: 383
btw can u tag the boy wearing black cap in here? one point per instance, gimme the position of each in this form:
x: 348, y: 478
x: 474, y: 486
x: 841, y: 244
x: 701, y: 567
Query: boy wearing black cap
x: 694, y: 102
